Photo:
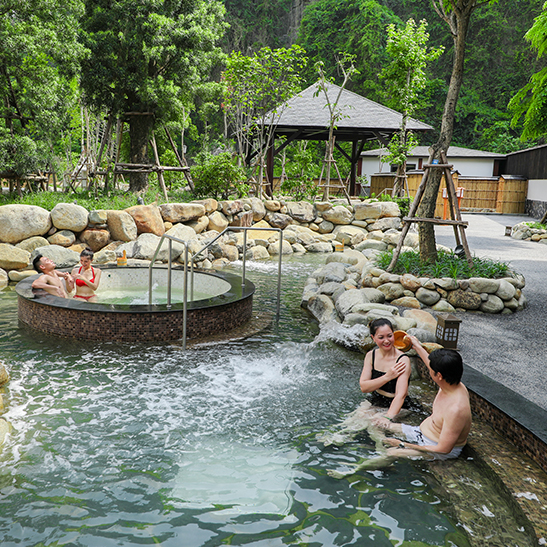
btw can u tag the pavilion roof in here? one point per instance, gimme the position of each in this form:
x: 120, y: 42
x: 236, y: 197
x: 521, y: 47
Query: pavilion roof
x: 308, y: 113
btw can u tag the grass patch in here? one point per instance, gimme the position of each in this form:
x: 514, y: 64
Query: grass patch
x: 536, y: 225
x: 447, y: 265
x: 116, y: 200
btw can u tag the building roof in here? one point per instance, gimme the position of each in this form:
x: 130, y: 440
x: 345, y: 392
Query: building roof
x: 308, y: 113
x: 453, y: 152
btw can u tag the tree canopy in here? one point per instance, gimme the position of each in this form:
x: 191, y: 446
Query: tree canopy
x: 147, y: 58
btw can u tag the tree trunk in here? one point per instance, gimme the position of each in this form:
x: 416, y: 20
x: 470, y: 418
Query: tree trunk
x: 140, y: 128
x: 458, y: 20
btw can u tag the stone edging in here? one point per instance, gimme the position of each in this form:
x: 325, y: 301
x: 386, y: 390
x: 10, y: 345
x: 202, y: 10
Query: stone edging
x: 524, y: 232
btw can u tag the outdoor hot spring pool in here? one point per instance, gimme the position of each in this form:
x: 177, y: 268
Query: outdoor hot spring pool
x: 145, y: 444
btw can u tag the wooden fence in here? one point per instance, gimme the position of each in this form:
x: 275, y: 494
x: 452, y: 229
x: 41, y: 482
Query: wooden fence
x: 504, y: 194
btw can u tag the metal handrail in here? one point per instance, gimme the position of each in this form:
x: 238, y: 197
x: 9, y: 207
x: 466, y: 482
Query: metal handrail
x: 193, y: 257
x: 185, y: 285
x: 245, y: 229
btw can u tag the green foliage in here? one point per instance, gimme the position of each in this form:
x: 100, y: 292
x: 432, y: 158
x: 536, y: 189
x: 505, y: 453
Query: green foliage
x: 39, y: 59
x: 301, y: 171
x: 536, y: 225
x: 355, y: 27
x: 149, y: 56
x: 218, y: 176
x: 447, y: 265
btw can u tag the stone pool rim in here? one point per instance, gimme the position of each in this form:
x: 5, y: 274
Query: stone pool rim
x: 71, y: 318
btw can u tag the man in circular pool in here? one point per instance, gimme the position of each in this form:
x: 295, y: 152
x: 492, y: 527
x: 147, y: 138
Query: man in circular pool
x: 51, y: 280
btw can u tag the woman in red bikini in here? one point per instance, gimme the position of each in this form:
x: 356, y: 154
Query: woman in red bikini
x: 86, y: 277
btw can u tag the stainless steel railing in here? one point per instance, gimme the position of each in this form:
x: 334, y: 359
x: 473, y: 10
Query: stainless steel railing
x: 170, y: 239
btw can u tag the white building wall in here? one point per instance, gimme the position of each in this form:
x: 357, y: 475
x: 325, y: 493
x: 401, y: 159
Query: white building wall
x: 537, y: 190
x: 468, y: 167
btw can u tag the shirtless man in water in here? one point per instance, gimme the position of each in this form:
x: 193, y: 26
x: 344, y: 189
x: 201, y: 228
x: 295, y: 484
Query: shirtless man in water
x: 51, y: 280
x: 440, y: 436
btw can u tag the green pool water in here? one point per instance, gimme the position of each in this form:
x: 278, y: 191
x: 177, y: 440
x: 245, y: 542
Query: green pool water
x: 144, y: 444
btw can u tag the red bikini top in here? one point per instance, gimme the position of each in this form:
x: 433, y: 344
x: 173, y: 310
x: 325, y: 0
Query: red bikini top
x: 81, y: 283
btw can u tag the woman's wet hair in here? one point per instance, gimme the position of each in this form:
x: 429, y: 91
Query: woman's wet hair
x: 87, y: 253
x: 449, y: 363
x: 377, y: 323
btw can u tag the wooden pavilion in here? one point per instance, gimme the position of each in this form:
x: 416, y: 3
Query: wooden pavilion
x: 306, y: 117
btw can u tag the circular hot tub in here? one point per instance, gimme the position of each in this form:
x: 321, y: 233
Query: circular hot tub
x: 122, y: 313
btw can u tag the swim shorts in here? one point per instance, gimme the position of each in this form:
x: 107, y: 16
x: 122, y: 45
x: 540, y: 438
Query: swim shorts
x: 414, y: 434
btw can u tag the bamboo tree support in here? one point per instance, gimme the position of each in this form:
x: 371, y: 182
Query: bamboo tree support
x: 180, y: 159
x: 456, y: 219
x: 328, y: 161
x: 158, y: 165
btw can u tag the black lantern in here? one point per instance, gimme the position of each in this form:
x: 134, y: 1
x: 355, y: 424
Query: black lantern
x: 448, y: 329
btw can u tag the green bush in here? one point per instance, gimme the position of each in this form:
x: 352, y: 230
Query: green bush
x: 218, y: 176
x: 448, y: 265
x: 536, y: 225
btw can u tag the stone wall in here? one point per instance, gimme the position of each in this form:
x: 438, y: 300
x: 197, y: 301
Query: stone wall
x: 62, y: 233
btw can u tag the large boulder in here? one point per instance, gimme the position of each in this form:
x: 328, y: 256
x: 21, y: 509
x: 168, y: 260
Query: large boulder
x: 121, y: 225
x: 4, y: 279
x: 19, y: 222
x: 97, y: 217
x: 95, y: 238
x: 231, y: 207
x: 13, y: 258
x: 63, y: 258
x: 338, y: 215
x: 320, y: 247
x: 389, y: 209
x: 32, y: 243
x: 182, y: 212
x: 333, y: 271
x: 148, y: 219
x: 258, y: 209
x: 199, y: 225
x: 279, y: 220
x: 386, y: 223
x: 466, y: 300
x: 349, y: 235
x: 427, y: 296
x: 210, y: 204
x: 301, y: 211
x: 217, y: 221
x: 322, y: 308
x: 146, y: 245
x: 493, y: 304
x: 483, y: 285
x: 69, y: 216
x: 506, y: 290
x: 64, y: 238
x: 366, y: 211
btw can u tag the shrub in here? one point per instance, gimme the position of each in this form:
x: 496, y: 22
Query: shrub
x: 448, y: 265
x: 218, y: 176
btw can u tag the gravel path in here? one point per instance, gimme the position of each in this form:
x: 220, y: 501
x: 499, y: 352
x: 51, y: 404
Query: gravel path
x: 511, y: 349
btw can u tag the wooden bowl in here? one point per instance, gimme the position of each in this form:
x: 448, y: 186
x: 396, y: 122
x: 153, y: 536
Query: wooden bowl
x: 401, y: 341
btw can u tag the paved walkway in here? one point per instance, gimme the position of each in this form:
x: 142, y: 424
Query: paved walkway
x: 511, y: 349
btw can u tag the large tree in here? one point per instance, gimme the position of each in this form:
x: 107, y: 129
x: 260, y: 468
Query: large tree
x: 457, y: 15
x: 146, y: 60
x: 530, y: 103
x: 39, y: 59
x: 405, y: 77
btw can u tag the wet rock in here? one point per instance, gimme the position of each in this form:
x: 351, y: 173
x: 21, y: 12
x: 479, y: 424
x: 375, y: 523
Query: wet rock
x: 4, y: 279
x: 19, y: 222
x: 286, y: 248
x: 349, y: 299
x: 257, y: 253
x: 298, y: 248
x: 69, y: 216
x: 322, y: 308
